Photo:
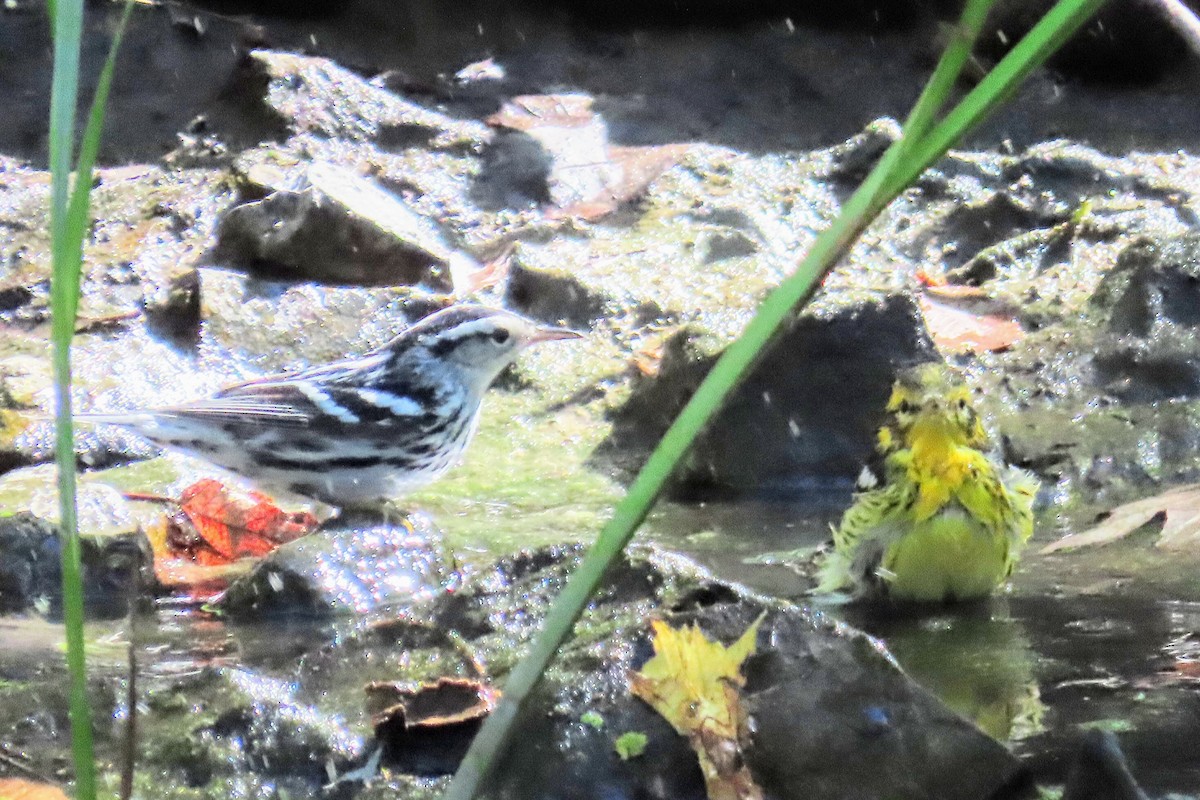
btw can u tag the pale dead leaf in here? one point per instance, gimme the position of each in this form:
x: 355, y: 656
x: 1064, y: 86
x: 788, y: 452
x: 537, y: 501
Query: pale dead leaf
x: 18, y: 789
x: 589, y: 176
x: 1179, y: 508
x: 958, y: 327
x: 694, y: 683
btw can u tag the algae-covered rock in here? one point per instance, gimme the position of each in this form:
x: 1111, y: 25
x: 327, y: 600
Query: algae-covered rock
x: 337, y: 227
x: 317, y: 95
x: 31, y: 578
x: 1153, y: 308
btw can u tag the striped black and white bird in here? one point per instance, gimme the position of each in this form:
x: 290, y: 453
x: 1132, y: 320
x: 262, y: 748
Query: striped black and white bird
x: 359, y: 432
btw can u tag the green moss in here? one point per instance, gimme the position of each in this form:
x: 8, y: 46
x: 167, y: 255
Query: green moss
x: 524, y: 481
x: 630, y: 744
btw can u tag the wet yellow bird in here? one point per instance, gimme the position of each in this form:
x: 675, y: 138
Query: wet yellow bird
x: 941, y: 520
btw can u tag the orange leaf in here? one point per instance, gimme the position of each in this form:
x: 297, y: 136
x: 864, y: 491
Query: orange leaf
x: 232, y: 524
x: 19, y: 789
x: 201, y: 580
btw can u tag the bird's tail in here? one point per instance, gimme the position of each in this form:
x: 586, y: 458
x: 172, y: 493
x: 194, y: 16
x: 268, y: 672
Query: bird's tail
x: 127, y: 420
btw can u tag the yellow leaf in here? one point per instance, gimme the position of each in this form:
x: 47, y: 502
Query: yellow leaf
x: 693, y: 683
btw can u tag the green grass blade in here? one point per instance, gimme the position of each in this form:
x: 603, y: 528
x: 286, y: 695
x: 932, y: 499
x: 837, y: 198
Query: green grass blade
x: 941, y: 83
x: 1051, y: 32
x: 68, y: 31
x: 80, y: 203
x: 68, y: 225
x: 733, y: 364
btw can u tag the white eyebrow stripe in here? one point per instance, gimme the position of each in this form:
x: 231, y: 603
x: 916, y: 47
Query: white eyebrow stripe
x: 464, y: 330
x: 397, y: 404
x: 325, y: 404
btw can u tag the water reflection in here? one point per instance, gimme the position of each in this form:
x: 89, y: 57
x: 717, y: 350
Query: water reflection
x: 1099, y: 639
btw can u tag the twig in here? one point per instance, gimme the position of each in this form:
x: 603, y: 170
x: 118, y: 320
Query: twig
x: 130, y: 755
x: 1183, y: 20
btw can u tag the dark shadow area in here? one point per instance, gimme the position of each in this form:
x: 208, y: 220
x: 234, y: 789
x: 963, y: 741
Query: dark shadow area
x: 757, y: 77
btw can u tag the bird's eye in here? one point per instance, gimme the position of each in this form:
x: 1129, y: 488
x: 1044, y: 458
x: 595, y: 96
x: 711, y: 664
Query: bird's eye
x: 905, y: 407
x: 962, y: 405
x: 500, y: 336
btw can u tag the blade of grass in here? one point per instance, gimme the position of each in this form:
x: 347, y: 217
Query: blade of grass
x: 1050, y: 33
x: 907, y: 158
x: 68, y: 225
x: 68, y: 31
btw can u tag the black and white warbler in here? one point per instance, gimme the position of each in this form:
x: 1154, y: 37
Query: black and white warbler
x: 358, y: 432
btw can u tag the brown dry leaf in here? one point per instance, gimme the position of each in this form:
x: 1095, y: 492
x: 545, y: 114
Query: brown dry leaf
x: 19, y: 789
x: 694, y: 684
x: 589, y: 176
x: 955, y: 291
x: 530, y: 111
x: 1179, y: 509
x: 966, y: 327
x: 629, y: 171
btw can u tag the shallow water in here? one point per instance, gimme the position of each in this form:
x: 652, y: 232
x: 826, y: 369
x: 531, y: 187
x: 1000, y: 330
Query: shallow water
x: 1103, y: 638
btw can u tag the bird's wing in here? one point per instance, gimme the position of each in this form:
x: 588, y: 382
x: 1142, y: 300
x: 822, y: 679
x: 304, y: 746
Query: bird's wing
x: 250, y: 404
x: 298, y: 401
x: 863, y: 535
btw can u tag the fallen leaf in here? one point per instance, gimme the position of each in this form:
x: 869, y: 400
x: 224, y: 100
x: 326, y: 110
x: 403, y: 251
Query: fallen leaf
x: 955, y: 291
x: 530, y: 111
x: 233, y: 524
x: 19, y: 789
x: 172, y: 570
x: 959, y: 326
x: 427, y: 728
x: 589, y: 176
x: 1179, y: 509
x: 443, y: 703
x: 485, y: 70
x: 694, y: 684
x: 629, y: 172
x: 203, y: 544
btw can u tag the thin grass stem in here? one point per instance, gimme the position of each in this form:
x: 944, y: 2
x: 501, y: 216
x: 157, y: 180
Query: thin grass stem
x: 908, y: 157
x: 68, y: 225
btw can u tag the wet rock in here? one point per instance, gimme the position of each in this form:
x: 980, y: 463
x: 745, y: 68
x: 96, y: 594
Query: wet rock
x: 30, y: 568
x: 337, y: 228
x: 854, y: 158
x: 233, y: 729
x: 254, y: 323
x: 831, y: 714
x: 1100, y: 771
x: 846, y: 361
x: 354, y: 564
x: 318, y: 96
x: 151, y: 223
x: 1152, y: 299
x: 175, y: 314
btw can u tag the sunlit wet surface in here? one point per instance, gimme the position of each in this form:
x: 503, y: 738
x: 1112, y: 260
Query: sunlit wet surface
x: 1103, y: 638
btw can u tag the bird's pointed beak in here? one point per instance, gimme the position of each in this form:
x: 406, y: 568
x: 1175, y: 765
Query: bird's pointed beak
x: 552, y: 334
